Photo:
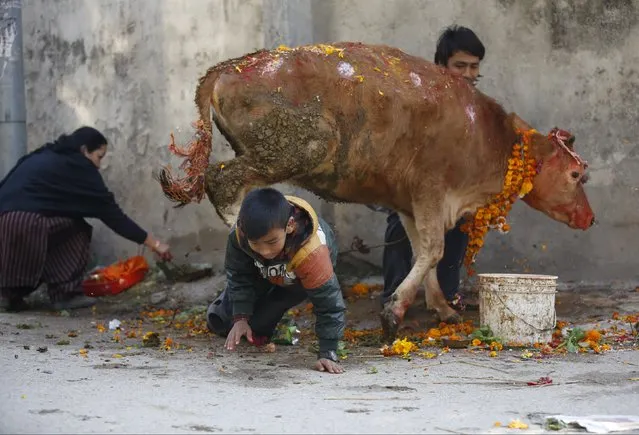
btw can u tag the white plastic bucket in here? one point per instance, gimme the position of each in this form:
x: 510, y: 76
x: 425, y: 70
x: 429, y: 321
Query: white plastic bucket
x: 518, y: 308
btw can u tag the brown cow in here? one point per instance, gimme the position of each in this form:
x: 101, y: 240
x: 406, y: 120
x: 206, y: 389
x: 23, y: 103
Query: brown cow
x: 371, y: 124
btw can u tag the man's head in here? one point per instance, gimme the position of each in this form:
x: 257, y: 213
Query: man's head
x: 460, y: 51
x: 265, y: 219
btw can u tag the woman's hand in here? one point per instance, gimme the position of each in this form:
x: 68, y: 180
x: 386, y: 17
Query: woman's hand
x: 240, y: 328
x: 162, y: 249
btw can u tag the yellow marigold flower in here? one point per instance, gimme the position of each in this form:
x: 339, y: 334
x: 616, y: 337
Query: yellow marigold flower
x: 525, y: 188
x: 517, y: 424
x: 496, y: 346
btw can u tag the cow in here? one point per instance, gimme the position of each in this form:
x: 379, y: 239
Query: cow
x: 371, y: 124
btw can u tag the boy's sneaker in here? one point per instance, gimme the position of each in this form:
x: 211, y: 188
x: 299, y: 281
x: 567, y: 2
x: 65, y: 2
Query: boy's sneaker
x: 218, y: 317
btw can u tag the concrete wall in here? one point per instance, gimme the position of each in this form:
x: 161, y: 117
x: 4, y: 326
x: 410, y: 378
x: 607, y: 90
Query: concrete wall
x: 130, y: 68
x: 567, y: 63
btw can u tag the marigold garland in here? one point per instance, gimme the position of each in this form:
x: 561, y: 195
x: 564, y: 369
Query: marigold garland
x: 522, y: 168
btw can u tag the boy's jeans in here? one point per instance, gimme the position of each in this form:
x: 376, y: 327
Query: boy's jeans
x: 268, y: 310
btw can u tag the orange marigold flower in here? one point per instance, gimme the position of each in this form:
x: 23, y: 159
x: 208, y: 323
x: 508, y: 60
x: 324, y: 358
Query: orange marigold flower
x: 434, y: 333
x: 593, y: 336
x: 476, y: 342
x: 360, y: 289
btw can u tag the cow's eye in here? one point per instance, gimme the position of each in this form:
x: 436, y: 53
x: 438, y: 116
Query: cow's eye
x: 575, y: 174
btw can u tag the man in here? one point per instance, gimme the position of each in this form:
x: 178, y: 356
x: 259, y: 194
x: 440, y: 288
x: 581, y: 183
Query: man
x: 460, y: 51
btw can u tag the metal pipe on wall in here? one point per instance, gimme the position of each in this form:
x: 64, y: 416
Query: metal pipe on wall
x: 13, y: 114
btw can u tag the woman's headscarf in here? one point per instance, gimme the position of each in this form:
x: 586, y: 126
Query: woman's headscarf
x: 91, y: 138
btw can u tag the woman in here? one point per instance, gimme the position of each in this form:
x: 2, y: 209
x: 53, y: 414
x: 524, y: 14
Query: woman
x: 43, y: 236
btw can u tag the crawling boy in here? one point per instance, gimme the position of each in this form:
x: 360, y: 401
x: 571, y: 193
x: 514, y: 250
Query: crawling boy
x: 279, y: 253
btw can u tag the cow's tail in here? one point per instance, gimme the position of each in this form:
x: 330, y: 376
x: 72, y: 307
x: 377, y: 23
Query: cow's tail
x: 190, y: 187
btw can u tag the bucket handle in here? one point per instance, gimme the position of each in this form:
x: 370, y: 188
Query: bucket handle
x: 554, y: 316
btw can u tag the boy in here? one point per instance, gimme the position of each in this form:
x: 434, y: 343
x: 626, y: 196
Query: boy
x: 278, y: 254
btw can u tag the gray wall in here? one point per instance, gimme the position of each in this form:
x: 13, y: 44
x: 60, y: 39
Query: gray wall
x: 129, y: 67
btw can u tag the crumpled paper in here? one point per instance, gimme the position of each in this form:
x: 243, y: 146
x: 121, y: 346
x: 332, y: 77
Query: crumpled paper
x: 595, y: 423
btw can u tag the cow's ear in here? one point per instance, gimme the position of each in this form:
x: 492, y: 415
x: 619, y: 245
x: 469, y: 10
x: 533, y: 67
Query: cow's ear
x: 518, y: 123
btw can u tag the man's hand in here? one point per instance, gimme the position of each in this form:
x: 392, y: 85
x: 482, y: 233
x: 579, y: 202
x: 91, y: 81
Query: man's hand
x: 240, y: 329
x: 326, y: 365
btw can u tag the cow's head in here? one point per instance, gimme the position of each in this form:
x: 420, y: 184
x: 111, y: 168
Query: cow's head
x: 558, y: 188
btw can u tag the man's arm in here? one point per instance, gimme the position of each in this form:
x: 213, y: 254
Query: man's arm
x: 241, y: 275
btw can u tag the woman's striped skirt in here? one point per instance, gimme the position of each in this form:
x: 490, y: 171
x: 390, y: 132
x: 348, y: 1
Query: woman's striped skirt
x: 37, y: 249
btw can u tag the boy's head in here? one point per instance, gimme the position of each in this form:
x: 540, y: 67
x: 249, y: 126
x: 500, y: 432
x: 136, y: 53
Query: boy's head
x: 265, y: 218
x: 461, y: 51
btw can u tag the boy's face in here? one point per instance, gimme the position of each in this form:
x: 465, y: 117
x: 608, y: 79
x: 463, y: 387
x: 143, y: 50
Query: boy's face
x: 271, y: 244
x: 464, y: 64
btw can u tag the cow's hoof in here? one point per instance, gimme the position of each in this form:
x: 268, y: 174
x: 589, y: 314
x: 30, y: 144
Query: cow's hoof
x: 390, y: 324
x: 452, y: 318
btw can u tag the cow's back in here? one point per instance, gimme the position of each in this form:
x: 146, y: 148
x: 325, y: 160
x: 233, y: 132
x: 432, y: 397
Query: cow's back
x: 398, y: 119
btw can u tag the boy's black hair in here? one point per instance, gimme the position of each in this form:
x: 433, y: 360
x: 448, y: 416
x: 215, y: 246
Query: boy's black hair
x: 261, y: 211
x: 458, y: 38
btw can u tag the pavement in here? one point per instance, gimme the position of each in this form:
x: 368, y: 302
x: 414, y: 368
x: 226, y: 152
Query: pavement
x: 68, y: 373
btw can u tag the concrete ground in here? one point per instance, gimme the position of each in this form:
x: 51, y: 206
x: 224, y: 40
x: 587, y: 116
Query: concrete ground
x: 61, y: 373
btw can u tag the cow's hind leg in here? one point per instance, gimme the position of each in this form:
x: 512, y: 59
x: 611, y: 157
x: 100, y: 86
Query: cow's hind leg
x: 227, y: 183
x: 277, y: 145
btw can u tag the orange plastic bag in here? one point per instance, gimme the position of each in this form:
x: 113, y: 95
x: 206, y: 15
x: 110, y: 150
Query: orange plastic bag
x: 122, y: 268
x: 117, y: 277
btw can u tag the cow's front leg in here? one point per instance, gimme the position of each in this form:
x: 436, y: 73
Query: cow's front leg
x: 393, y: 312
x: 429, y: 235
x: 426, y: 234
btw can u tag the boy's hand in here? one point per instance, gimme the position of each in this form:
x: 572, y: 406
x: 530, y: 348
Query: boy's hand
x: 326, y: 365
x: 240, y: 328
